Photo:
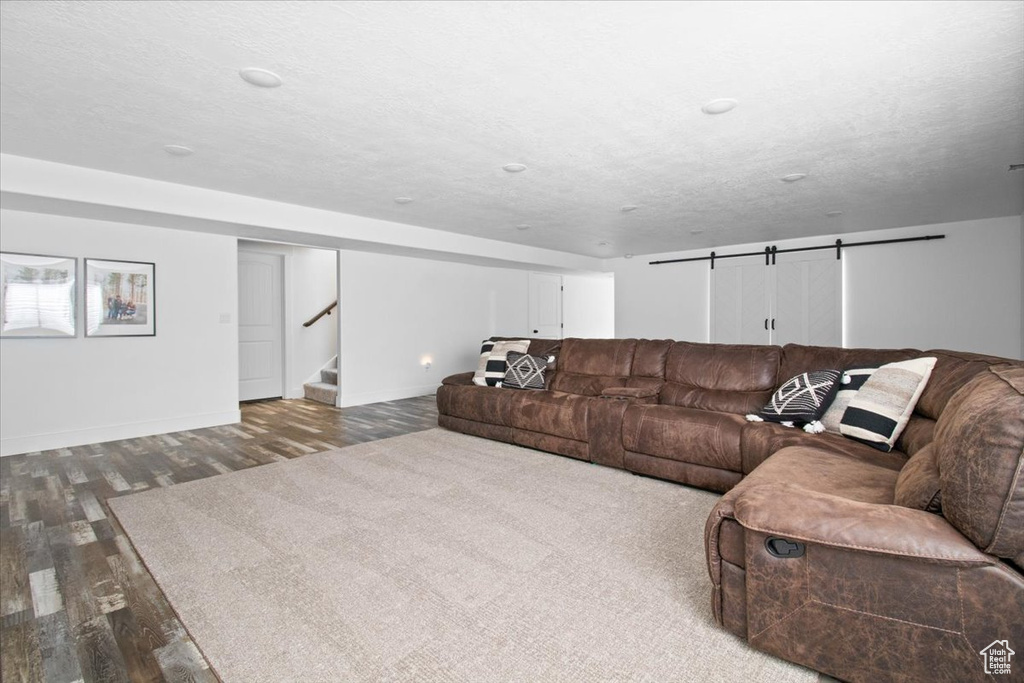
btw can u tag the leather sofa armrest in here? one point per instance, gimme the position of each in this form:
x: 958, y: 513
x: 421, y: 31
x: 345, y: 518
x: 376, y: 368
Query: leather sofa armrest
x: 460, y: 380
x: 628, y: 392
x: 796, y: 513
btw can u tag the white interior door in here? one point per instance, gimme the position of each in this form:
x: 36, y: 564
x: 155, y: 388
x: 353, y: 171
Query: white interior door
x: 545, y: 309
x: 740, y: 301
x: 808, y: 301
x: 260, y: 326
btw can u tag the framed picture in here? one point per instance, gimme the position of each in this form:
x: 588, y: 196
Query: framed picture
x: 119, y: 298
x: 38, y: 295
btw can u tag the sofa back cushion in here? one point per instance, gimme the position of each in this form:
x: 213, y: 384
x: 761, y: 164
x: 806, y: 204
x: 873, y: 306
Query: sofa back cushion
x: 979, y: 442
x: 798, y: 358
x: 648, y: 371
x: 730, y: 378
x: 587, y: 366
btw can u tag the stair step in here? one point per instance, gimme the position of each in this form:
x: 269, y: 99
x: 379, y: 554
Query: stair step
x: 329, y: 375
x: 321, y: 392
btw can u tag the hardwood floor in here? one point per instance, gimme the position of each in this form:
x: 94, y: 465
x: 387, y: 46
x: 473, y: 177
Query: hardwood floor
x: 75, y: 601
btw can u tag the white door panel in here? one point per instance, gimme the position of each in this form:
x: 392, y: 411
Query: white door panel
x: 739, y: 302
x: 545, y: 309
x: 808, y: 299
x: 260, y: 326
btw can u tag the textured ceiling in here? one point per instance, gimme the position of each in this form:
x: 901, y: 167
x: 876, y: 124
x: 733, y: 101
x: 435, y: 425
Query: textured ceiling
x: 901, y: 113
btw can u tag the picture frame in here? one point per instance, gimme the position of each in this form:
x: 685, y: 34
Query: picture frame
x: 120, y: 298
x: 38, y: 296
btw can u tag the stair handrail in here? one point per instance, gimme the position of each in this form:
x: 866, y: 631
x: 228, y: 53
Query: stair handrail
x: 326, y: 311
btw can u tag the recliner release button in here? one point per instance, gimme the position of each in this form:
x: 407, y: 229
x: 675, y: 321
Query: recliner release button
x: 780, y: 547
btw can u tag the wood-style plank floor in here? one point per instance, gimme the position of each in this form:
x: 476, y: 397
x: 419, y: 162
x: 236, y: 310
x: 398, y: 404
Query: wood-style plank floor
x: 76, y: 604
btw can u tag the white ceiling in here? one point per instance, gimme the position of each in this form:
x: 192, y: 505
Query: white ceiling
x: 902, y: 113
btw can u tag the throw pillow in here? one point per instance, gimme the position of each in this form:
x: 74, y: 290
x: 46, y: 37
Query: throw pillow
x: 524, y: 371
x: 882, y: 407
x: 853, y: 380
x: 801, y: 399
x: 490, y: 371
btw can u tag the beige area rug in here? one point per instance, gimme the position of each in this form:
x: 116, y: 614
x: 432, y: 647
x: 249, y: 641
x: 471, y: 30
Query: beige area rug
x: 441, y: 557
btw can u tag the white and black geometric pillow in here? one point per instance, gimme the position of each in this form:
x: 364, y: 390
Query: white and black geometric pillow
x: 490, y: 371
x: 802, y: 399
x: 524, y: 371
x: 881, y: 409
x: 853, y: 380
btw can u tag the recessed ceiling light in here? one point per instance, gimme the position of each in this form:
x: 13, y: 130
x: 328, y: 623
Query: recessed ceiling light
x: 833, y: 214
x: 178, y: 150
x: 403, y: 200
x: 628, y: 207
x: 627, y: 256
x: 260, y: 77
x: 514, y: 168
x: 522, y: 226
x: 719, y: 106
x: 696, y: 232
x: 793, y: 177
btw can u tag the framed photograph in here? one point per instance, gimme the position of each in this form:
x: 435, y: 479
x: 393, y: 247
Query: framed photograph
x: 119, y: 298
x: 37, y: 295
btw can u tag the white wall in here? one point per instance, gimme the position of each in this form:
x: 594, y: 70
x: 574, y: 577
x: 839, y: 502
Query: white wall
x: 588, y: 306
x: 310, y: 285
x: 963, y: 292
x: 398, y: 311
x: 66, y: 392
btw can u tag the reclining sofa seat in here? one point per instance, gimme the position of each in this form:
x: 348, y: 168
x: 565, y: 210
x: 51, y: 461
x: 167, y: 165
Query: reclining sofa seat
x: 880, y: 590
x: 555, y: 419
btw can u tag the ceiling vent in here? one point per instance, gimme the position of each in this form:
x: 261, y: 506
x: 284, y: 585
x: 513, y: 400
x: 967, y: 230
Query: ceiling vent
x: 1017, y: 167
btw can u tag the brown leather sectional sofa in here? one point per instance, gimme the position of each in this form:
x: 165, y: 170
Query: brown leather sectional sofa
x: 865, y: 565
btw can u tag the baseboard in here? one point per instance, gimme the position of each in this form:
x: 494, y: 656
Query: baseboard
x: 363, y: 398
x: 81, y: 437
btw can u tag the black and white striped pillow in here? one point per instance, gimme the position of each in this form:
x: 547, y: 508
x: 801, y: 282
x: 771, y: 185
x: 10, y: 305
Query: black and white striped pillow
x: 881, y: 409
x: 802, y: 399
x: 490, y: 371
x: 524, y: 371
x: 853, y: 380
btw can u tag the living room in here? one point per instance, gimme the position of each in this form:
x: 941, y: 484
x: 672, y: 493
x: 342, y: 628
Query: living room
x: 449, y: 154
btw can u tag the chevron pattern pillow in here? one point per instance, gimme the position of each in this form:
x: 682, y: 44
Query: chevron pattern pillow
x: 802, y: 399
x: 524, y: 371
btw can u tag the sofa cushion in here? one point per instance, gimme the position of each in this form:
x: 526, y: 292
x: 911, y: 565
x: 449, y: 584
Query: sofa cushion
x: 881, y: 409
x: 953, y: 369
x: 551, y: 412
x: 918, y: 485
x: 759, y: 440
x: 702, y: 437
x: 797, y: 358
x: 607, y: 357
x: 729, y: 378
x: 979, y: 441
x: 825, y: 471
x: 479, y: 404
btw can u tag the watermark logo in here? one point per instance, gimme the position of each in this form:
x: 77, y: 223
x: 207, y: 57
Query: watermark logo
x: 997, y: 656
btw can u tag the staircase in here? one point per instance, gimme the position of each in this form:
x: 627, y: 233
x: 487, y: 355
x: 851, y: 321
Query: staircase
x: 326, y: 390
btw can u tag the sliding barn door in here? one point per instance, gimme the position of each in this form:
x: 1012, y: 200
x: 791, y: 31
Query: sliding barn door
x: 808, y: 299
x: 740, y: 302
